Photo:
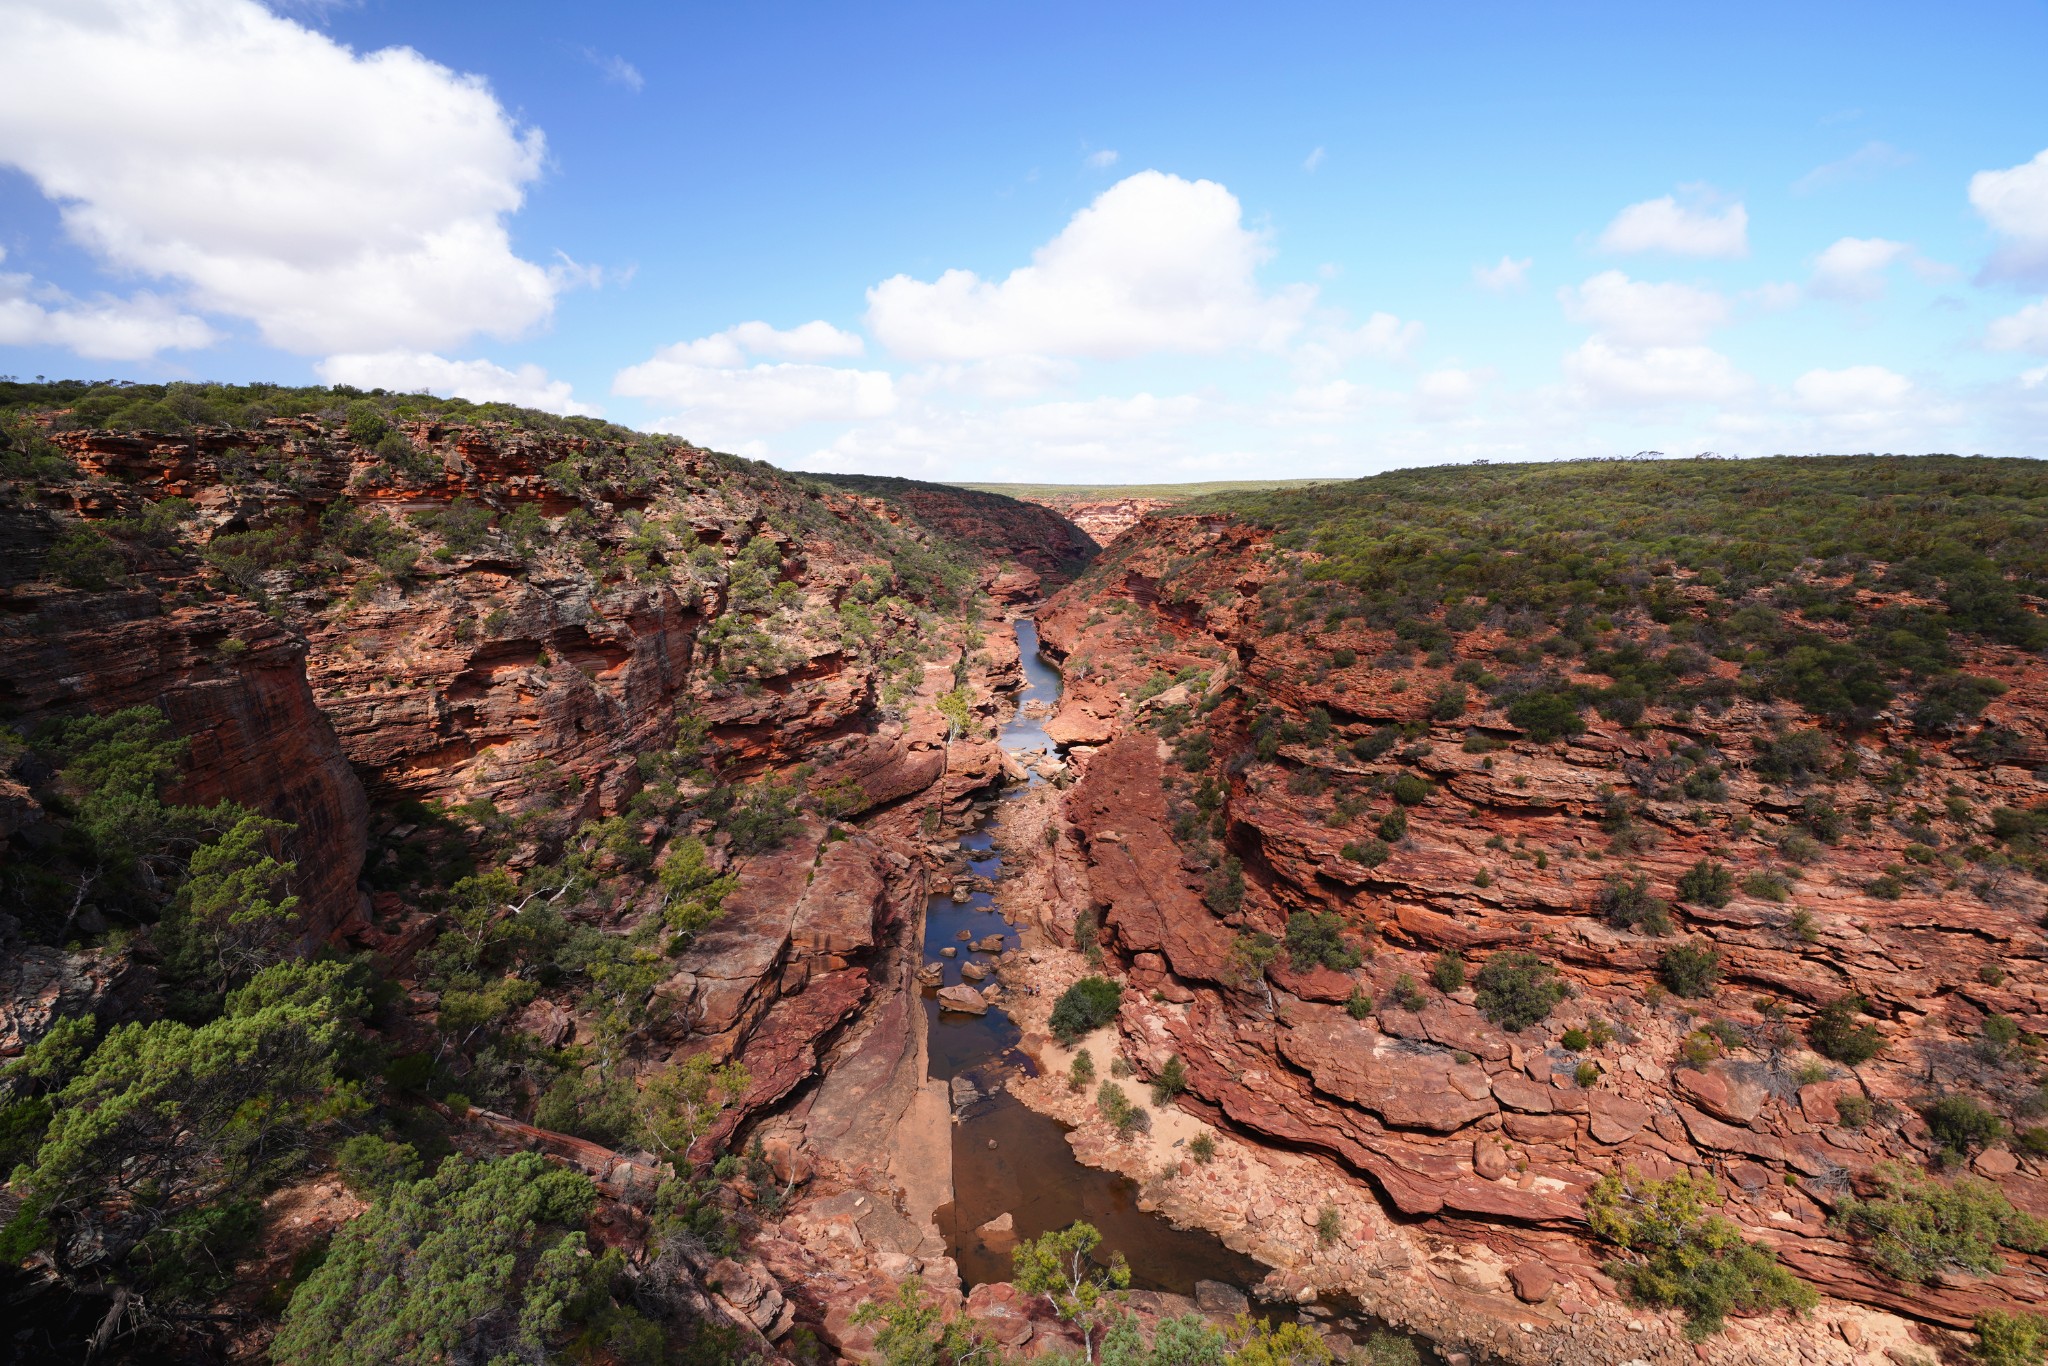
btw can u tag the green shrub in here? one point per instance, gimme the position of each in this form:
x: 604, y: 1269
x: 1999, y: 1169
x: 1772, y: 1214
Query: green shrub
x: 1853, y: 1111
x: 1367, y: 854
x: 1171, y: 1081
x: 2011, y: 1339
x: 1587, y: 1075
x: 1358, y: 1005
x: 1447, y: 974
x: 1516, y: 989
x: 1393, y: 826
x: 1081, y: 1073
x: 1116, y: 1107
x: 1202, y: 1147
x: 1689, y: 970
x: 1918, y: 1228
x: 1795, y: 756
x: 1411, y: 790
x: 1834, y: 1033
x: 1548, y: 714
x: 1329, y: 1226
x: 1575, y: 1039
x: 1084, y: 1007
x: 1706, y: 883
x: 1624, y: 901
x: 1961, y: 1124
x: 1317, y: 938
x: 1684, y: 1257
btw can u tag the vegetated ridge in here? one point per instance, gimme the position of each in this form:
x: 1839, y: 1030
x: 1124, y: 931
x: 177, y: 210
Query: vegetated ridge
x: 390, y: 780
x: 1560, y: 847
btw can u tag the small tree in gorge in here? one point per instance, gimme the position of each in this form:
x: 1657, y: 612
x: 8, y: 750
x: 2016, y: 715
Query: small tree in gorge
x: 1061, y: 1267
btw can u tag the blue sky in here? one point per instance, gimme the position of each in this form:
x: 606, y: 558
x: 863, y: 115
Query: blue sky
x: 1058, y: 242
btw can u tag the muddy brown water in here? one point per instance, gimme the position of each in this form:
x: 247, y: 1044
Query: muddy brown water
x: 1008, y: 1158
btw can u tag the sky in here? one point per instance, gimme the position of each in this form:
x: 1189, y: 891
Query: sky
x: 1058, y: 242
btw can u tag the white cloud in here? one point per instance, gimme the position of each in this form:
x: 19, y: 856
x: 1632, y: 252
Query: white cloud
x: 1313, y: 161
x: 341, y: 202
x: 1329, y: 348
x: 1603, y: 374
x: 1853, y: 268
x: 1504, y: 275
x: 1155, y: 264
x: 1857, y: 388
x: 1640, y: 313
x: 2034, y: 378
x: 2014, y: 202
x: 617, y: 70
x: 1102, y: 159
x: 717, y: 396
x: 1870, y: 160
x: 2026, y: 330
x: 102, y: 328
x: 1002, y: 377
x: 1445, y: 393
x: 809, y: 341
x: 1681, y: 229
x: 479, y: 381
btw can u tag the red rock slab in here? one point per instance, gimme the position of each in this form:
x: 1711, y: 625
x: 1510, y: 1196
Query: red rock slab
x: 1406, y: 1087
x: 1726, y: 1138
x: 1722, y: 1094
x: 1615, y: 1118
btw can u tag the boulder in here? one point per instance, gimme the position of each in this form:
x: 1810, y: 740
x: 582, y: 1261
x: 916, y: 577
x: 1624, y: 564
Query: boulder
x: 1533, y: 1281
x: 962, y: 1000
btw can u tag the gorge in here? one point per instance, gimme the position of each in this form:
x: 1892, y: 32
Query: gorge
x: 1476, y: 851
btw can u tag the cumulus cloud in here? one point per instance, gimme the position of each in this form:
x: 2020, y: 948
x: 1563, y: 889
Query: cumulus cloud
x: 2014, y: 202
x: 1853, y: 268
x: 1857, y: 388
x: 1867, y: 162
x: 479, y: 381
x: 2026, y: 330
x: 1504, y: 275
x: 101, y: 328
x: 1640, y: 313
x: 716, y: 395
x: 339, y: 201
x: 1156, y: 263
x: 1605, y: 375
x: 1665, y: 225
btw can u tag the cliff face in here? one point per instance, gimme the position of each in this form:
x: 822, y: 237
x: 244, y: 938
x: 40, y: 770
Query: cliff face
x: 1385, y: 810
x: 230, y: 680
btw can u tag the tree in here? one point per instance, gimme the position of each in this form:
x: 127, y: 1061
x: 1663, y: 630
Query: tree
x: 692, y: 892
x: 234, y: 916
x: 1707, y: 883
x: 1685, y: 1257
x: 682, y: 1104
x: 915, y: 1333
x: 163, y: 1126
x: 1061, y: 1266
x: 480, y: 1261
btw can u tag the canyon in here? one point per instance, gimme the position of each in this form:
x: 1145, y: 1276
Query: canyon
x: 482, y: 664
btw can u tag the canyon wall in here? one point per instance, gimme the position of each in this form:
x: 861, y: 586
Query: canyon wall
x: 1286, y: 819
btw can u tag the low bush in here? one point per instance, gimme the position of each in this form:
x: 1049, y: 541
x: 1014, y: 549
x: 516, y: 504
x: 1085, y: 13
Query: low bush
x: 1447, y: 974
x: 1084, y: 1007
x: 1707, y: 883
x: 1685, y: 1257
x: 1171, y: 1081
x: 1961, y: 1124
x: 1689, y: 970
x: 1834, y: 1033
x: 1918, y: 1228
x: 1317, y: 938
x: 1516, y: 989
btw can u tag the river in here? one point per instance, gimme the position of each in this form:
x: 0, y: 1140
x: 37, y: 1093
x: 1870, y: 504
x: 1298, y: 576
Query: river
x: 1008, y: 1157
